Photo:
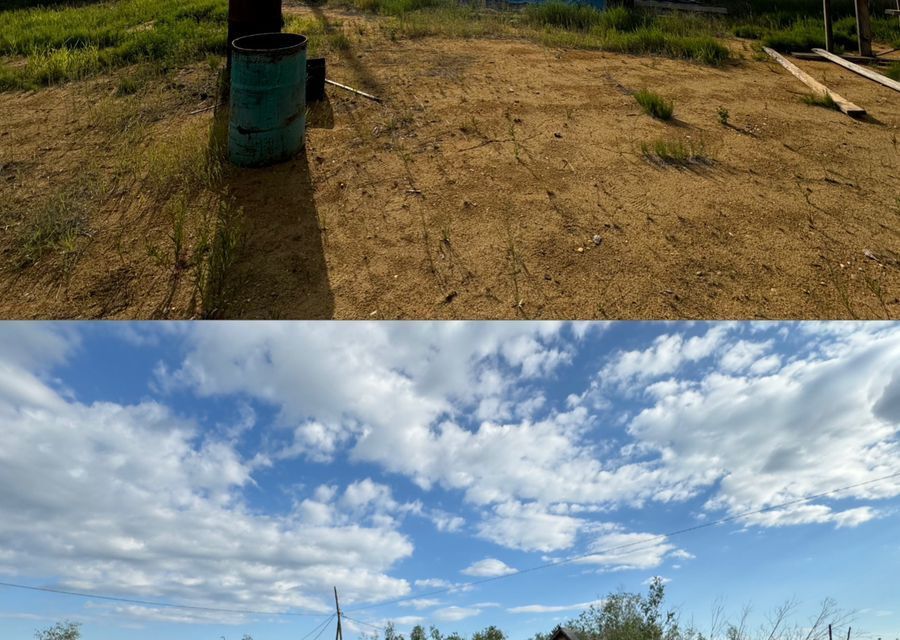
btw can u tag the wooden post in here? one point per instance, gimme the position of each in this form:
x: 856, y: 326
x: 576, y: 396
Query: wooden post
x: 848, y: 632
x: 829, y: 31
x: 829, y: 632
x: 863, y: 27
x: 338, y: 634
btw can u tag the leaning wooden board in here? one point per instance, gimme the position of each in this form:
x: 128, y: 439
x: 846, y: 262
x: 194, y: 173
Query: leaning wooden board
x: 868, y: 73
x: 844, y: 105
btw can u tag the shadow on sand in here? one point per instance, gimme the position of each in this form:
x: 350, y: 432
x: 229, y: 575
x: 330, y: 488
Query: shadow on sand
x: 280, y: 270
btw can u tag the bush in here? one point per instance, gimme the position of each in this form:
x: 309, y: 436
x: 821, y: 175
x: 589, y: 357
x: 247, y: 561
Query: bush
x: 654, y: 104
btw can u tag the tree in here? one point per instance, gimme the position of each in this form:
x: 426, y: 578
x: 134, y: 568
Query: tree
x: 435, y: 633
x: 60, y: 631
x: 391, y: 634
x: 630, y: 616
x: 417, y: 633
x: 489, y: 633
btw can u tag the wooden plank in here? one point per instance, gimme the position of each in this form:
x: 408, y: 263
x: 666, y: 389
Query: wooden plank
x: 678, y: 6
x: 844, y: 105
x: 868, y: 73
x: 807, y: 55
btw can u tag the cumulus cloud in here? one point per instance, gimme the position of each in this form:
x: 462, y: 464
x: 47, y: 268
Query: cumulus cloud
x: 620, y: 550
x: 529, y: 527
x: 489, y: 567
x: 133, y: 499
x: 760, y: 436
x: 736, y: 418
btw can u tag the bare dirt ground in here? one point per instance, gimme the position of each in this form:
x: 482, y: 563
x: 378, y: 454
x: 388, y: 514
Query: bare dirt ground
x: 477, y: 188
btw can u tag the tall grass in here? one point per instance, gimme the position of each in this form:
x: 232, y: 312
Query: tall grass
x: 70, y: 43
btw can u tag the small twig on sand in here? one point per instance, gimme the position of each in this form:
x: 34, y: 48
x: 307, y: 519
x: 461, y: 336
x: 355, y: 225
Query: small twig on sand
x: 352, y: 90
x: 205, y: 109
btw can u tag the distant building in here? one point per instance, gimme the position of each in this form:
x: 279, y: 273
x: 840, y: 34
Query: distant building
x: 565, y: 633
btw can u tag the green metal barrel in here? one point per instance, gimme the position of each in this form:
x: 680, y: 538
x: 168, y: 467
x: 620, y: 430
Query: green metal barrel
x: 268, y: 98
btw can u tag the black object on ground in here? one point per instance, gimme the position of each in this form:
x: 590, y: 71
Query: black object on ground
x: 315, y: 80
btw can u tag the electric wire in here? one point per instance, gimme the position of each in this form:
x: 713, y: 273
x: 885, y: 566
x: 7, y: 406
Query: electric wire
x: 153, y: 603
x: 368, y: 624
x: 319, y: 627
x: 645, y: 541
x: 322, y: 630
x: 457, y: 587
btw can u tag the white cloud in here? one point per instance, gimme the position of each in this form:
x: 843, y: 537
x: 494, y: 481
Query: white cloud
x: 444, y: 521
x: 763, y: 437
x: 743, y: 354
x: 420, y: 603
x: 488, y: 567
x: 529, y: 527
x: 665, y: 356
x: 131, y: 499
x: 622, y: 550
x: 455, y: 614
x: 551, y: 608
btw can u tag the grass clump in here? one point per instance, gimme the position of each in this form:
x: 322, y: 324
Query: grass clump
x: 654, y: 104
x: 675, y: 152
x: 577, y: 17
x: 66, y: 43
x: 820, y: 100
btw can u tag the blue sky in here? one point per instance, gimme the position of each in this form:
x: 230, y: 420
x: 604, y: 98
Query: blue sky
x: 253, y: 466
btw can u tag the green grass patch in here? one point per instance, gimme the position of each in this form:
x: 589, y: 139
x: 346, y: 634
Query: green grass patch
x: 675, y: 152
x: 654, y: 104
x: 70, y: 43
x: 574, y: 17
x: 820, y: 100
x: 893, y: 71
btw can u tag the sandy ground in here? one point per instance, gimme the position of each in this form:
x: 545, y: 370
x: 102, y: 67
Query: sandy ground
x: 504, y: 179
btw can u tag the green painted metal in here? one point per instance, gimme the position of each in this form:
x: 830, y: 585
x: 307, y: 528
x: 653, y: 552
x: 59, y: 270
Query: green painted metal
x: 268, y: 98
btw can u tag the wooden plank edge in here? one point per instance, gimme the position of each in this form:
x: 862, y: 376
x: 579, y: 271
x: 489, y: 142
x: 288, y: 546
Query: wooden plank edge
x: 843, y: 104
x: 808, y: 55
x: 866, y: 73
x: 679, y: 6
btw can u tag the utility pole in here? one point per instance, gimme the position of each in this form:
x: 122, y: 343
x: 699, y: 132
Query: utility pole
x: 863, y: 27
x: 338, y: 635
x: 829, y: 31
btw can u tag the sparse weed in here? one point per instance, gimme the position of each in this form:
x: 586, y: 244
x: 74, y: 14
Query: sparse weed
x: 654, y: 104
x: 675, y: 152
x: 820, y: 100
x: 723, y: 114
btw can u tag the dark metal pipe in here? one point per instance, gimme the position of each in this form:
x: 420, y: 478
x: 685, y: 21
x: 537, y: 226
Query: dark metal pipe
x: 249, y: 17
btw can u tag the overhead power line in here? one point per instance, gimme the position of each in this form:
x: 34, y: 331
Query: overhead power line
x: 608, y: 550
x: 456, y: 587
x: 322, y: 630
x: 319, y: 627
x: 368, y: 624
x: 151, y: 603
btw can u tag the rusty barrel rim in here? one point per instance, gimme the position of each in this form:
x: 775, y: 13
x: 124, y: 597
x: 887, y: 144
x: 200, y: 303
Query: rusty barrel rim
x: 280, y: 43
